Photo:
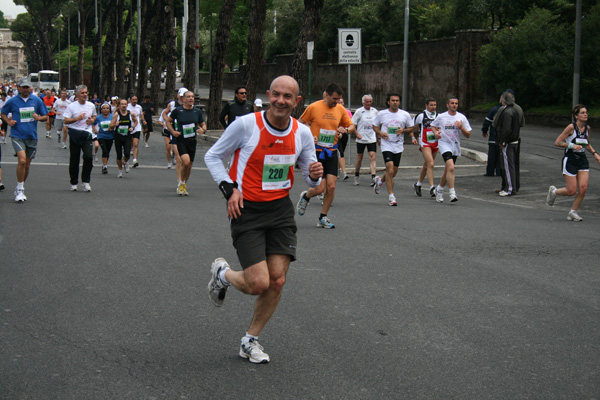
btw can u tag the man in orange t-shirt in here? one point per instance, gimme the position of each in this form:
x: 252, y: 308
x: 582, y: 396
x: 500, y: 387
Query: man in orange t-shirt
x: 49, y: 100
x: 328, y: 121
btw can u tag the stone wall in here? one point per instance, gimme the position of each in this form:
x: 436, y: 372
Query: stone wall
x: 438, y: 68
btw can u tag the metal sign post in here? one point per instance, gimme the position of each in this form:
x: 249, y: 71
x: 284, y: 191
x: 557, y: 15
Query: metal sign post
x: 349, y: 52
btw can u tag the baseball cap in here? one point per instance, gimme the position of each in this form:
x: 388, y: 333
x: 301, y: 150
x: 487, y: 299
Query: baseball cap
x: 258, y: 103
x: 181, y: 91
x: 24, y: 82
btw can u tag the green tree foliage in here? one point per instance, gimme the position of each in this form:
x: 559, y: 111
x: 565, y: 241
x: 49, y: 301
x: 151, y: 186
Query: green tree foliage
x: 533, y: 58
x: 3, y: 22
x: 590, y: 60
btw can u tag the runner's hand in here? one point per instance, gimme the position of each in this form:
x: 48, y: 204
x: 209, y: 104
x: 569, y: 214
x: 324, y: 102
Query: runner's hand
x: 234, y: 204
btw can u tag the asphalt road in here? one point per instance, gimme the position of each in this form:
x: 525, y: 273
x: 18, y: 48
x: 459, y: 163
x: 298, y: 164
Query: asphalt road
x: 103, y: 294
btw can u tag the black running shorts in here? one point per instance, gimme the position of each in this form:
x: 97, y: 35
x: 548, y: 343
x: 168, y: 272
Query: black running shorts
x: 263, y: 229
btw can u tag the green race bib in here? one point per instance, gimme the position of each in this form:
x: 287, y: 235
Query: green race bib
x: 275, y: 171
x: 189, y: 130
x: 26, y: 114
x: 326, y: 138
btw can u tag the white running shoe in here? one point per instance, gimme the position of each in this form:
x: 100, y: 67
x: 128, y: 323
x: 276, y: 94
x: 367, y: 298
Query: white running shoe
x: 73, y: 188
x: 302, y: 204
x: 356, y: 180
x: 551, y: 195
x: 573, y: 216
x: 392, y: 201
x: 439, y: 196
x: 146, y: 145
x: 20, y: 196
x: 86, y: 187
x: 254, y: 352
x: 126, y: 168
x: 378, y: 185
x: 120, y: 174
x: 325, y: 223
x: 169, y: 166
x: 453, y: 198
x: 216, y: 288
x: 372, y: 182
x: 64, y: 146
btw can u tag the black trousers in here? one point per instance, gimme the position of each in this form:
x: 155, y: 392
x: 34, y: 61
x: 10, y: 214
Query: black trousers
x: 80, y: 142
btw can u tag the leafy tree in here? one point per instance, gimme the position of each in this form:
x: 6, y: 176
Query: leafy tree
x: 532, y: 58
x: 286, y: 22
x: 3, y: 21
x: 21, y: 28
x: 43, y: 13
x: 590, y: 56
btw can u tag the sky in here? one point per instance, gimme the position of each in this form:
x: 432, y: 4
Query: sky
x: 9, y: 8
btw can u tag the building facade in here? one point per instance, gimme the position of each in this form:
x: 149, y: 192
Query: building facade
x: 12, y: 57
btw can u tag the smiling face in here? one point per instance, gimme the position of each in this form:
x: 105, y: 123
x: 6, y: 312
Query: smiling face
x: 283, y: 97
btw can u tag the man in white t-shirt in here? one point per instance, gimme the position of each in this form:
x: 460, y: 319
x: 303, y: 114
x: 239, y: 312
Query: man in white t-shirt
x: 136, y: 110
x: 363, y: 118
x: 391, y: 125
x: 447, y: 128
x: 60, y: 106
x: 80, y: 116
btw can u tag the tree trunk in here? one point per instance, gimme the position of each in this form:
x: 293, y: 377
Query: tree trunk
x: 311, y: 20
x: 109, y: 50
x: 122, y: 28
x: 158, y: 54
x: 132, y: 48
x: 84, y: 11
x: 171, y: 53
x: 189, y: 77
x: 96, y: 68
x: 256, y: 48
x: 149, y: 18
x: 218, y: 63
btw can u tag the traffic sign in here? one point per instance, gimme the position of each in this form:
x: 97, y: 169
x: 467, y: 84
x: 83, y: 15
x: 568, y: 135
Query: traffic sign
x: 349, y: 42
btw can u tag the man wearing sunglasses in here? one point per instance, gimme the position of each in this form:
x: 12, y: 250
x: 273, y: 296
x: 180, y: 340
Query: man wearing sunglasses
x: 236, y: 108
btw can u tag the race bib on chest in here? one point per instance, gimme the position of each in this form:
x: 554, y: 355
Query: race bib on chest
x: 26, y: 114
x: 392, y: 130
x: 581, y: 141
x: 105, y: 125
x: 275, y: 171
x: 189, y: 130
x: 123, y: 130
x: 326, y: 138
x: 430, y: 136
